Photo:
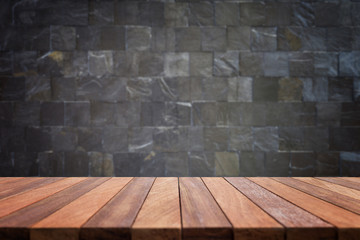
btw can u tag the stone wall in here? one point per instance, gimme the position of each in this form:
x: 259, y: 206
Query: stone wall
x: 179, y: 88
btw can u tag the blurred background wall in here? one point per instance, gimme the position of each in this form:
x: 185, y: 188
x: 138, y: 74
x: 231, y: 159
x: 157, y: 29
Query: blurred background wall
x: 179, y: 88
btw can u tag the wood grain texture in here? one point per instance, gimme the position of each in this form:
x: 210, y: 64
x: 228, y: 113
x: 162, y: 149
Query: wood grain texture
x: 347, y: 223
x: 14, y: 203
x: 352, y: 179
x: 332, y: 187
x: 10, y: 180
x: 11, y: 188
x: 341, y: 181
x: 201, y: 216
x: 15, y: 226
x: 159, y: 216
x: 249, y: 221
x: 114, y: 220
x: 327, y: 195
x: 65, y: 223
x: 299, y: 223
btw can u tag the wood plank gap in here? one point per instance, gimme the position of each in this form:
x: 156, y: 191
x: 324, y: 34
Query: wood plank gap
x: 341, y: 181
x: 181, y: 217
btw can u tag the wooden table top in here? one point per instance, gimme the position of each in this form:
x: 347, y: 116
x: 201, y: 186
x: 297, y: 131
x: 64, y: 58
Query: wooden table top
x: 179, y: 208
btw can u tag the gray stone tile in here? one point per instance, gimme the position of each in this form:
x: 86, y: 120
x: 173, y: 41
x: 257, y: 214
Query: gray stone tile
x: 159, y: 38
x: 138, y: 38
x: 315, y: 89
x: 252, y: 14
x: 100, y: 38
x: 176, y: 65
x: 290, y: 90
x: 227, y: 13
x: 240, y: 89
x: 171, y: 89
x: 176, y: 14
x: 63, y: 89
x: 78, y: 167
x: 327, y: 164
x: 301, y: 64
x: 327, y: 14
x: 326, y: 64
x: 213, y: 39
x: 176, y: 164
x: 188, y: 39
x: 6, y: 67
x: 278, y: 14
x: 90, y: 139
x: 51, y: 164
x: 26, y: 113
x: 357, y: 89
x: 350, y: 164
x: 25, y: 63
x: 126, y: 13
x: 266, y: 139
x: 101, y: 63
x: 214, y: 89
x: 291, y: 139
x: 241, y: 138
x: 153, y: 165
x: 52, y: 114
x: 339, y: 39
x: 12, y: 139
x: 226, y: 63
x: 301, y: 39
x: 115, y: 139
x: 196, y: 138
x: 349, y: 64
x: 127, y: 164
x: 350, y: 114
x: 201, y: 13
x: 6, y: 165
x: 151, y: 64
x: 316, y: 139
x: 303, y: 14
x: 12, y: 89
x: 38, y: 139
x: 77, y: 114
x: 25, y: 164
x: 238, y: 38
x: 170, y: 139
x: 37, y: 88
x: 252, y: 164
x: 263, y: 39
x: 101, y: 13
x: 277, y: 164
x: 216, y: 138
x: 63, y: 38
x: 201, y: 64
x: 140, y: 139
x: 63, y: 139
x: 303, y: 164
x: 344, y: 139
x: 340, y: 89
x: 126, y: 63
x: 204, y: 114
x: 265, y: 89
x: 202, y: 164
x: 227, y: 164
x: 251, y: 64
x: 328, y: 114
x: 276, y: 64
x: 151, y: 14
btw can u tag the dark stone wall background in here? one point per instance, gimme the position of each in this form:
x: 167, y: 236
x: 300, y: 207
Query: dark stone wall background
x: 179, y: 88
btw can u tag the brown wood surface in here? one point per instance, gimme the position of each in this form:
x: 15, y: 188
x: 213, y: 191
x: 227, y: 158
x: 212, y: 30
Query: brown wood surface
x: 327, y: 195
x: 10, y: 179
x: 202, y: 218
x: 11, y: 188
x: 249, y: 221
x: 299, y: 224
x: 342, y: 182
x: 114, y: 220
x: 59, y: 225
x: 159, y: 216
x: 348, y: 223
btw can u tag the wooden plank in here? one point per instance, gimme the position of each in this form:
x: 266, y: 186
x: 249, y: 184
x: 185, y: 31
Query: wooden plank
x: 14, y: 203
x: 348, y: 223
x: 324, y: 194
x: 341, y: 181
x: 299, y: 224
x: 66, y: 222
x: 159, y: 216
x: 7, y: 189
x: 16, y: 225
x: 114, y: 220
x: 10, y: 179
x: 249, y: 221
x: 201, y: 216
x: 331, y: 187
x: 352, y: 179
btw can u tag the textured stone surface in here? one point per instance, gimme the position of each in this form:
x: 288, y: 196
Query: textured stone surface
x: 226, y: 64
x: 252, y: 164
x: 226, y: 164
x: 303, y: 164
x: 263, y: 39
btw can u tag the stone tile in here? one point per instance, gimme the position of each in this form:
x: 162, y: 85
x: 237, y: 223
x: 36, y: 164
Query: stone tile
x: 301, y: 64
x: 278, y: 14
x: 301, y: 39
x: 104, y: 114
x: 354, y: 16
x: 290, y: 114
x: 127, y: 164
x: 171, y: 89
x: 153, y: 165
x: 266, y: 139
x: 215, y: 89
x: 252, y: 164
x: 78, y: 167
x: 252, y: 14
x: 251, y: 64
x: 170, y: 139
x: 101, y: 13
x: 227, y: 164
x: 176, y: 164
x: 204, y: 114
x: 100, y: 38
x: 326, y: 64
x: 316, y: 139
x: 26, y: 164
x: 159, y: 38
x: 6, y: 63
x: 108, y: 165
x: 328, y: 114
x: 151, y: 14
x: 340, y: 89
x: 349, y: 64
x: 12, y: 89
x: 227, y: 13
x: 276, y: 64
x: 196, y: 138
x: 152, y: 64
x: 226, y: 63
x: 247, y: 114
x: 339, y: 39
x: 327, y: 14
x: 95, y: 162
x: 201, y: 13
x: 238, y: 38
x: 138, y: 38
x: 25, y: 63
x: 241, y: 138
x: 350, y: 114
x: 201, y: 64
x: 52, y: 114
x: 344, y: 139
x: 291, y: 139
x: 222, y: 112
x: 290, y: 89
x: 38, y: 139
x: 63, y: 89
x: 188, y: 39
x: 356, y: 38
x: 265, y: 89
x: 216, y: 138
x: 101, y: 63
x: 327, y: 164
x: 90, y: 139
x: 126, y: 63
x: 6, y: 113
x: 6, y: 165
x: 277, y: 164
x: 357, y: 89
x: 240, y: 89
x: 303, y: 14
x: 115, y: 139
x: 202, y: 164
x: 315, y: 89
x: 176, y: 64
x: 63, y: 38
x: 176, y: 14
x: 140, y: 89
x: 126, y: 13
x: 51, y: 164
x: 77, y: 114
x: 303, y: 164
x: 26, y: 113
x: 263, y: 39
x: 37, y: 88
x: 350, y: 164
x: 140, y: 139
x: 12, y: 139
x: 213, y: 39
x: 63, y: 139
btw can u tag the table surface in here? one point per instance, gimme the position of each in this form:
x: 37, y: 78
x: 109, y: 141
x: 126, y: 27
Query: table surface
x: 179, y: 208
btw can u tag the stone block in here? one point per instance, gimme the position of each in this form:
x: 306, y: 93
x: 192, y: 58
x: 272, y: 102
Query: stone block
x: 354, y: 14
x: 6, y: 63
x: 291, y: 139
x: 277, y: 164
x: 327, y: 14
x: 51, y: 164
x: 263, y: 39
x: 38, y: 139
x: 26, y: 113
x: 100, y: 38
x: 204, y: 114
x: 216, y: 138
x: 63, y: 89
x: 349, y: 63
x: 240, y: 89
x: 90, y: 139
x: 340, y: 89
x: 52, y: 114
x: 303, y: 164
x: 226, y: 63
x: 95, y: 162
x: 251, y: 64
x: 101, y: 13
x: 350, y: 114
x: 196, y: 138
x: 25, y: 63
x: 252, y: 164
x: 115, y: 139
x: 316, y: 139
x: 227, y: 13
x: 12, y: 139
x: 152, y: 64
x: 176, y: 164
x: 153, y: 165
x: 278, y: 14
x: 101, y: 63
x: 301, y: 39
x: 108, y: 165
x: 188, y: 39
x: 214, y: 89
x: 103, y: 113
x: 151, y: 14
x: 76, y: 164
x: 227, y: 164
x: 303, y: 14
x: 38, y: 88
x: 170, y: 139
x: 356, y: 38
x: 201, y: 64
x: 202, y: 164
x: 26, y: 164
x: 138, y: 38
x: 238, y: 38
x: 301, y: 64
x: 126, y: 13
x: 77, y: 114
x: 328, y: 114
x: 140, y: 89
x: 63, y: 139
x: 6, y: 113
x: 265, y: 89
x: 222, y: 112
x: 275, y: 64
x: 127, y: 164
x: 6, y: 165
x: 241, y: 139
x: 290, y: 89
x: 176, y: 14
x: 213, y: 39
x: 290, y: 114
x: 339, y: 39
x: 327, y: 164
x: 126, y: 63
x: 247, y: 114
x: 326, y: 64
x: 315, y: 89
x: 266, y: 139
x: 12, y: 89
x: 176, y: 65
x: 63, y: 38
x: 171, y: 89
x: 140, y: 139
x: 350, y: 164
x: 252, y: 14
x: 344, y: 139
x: 201, y: 13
